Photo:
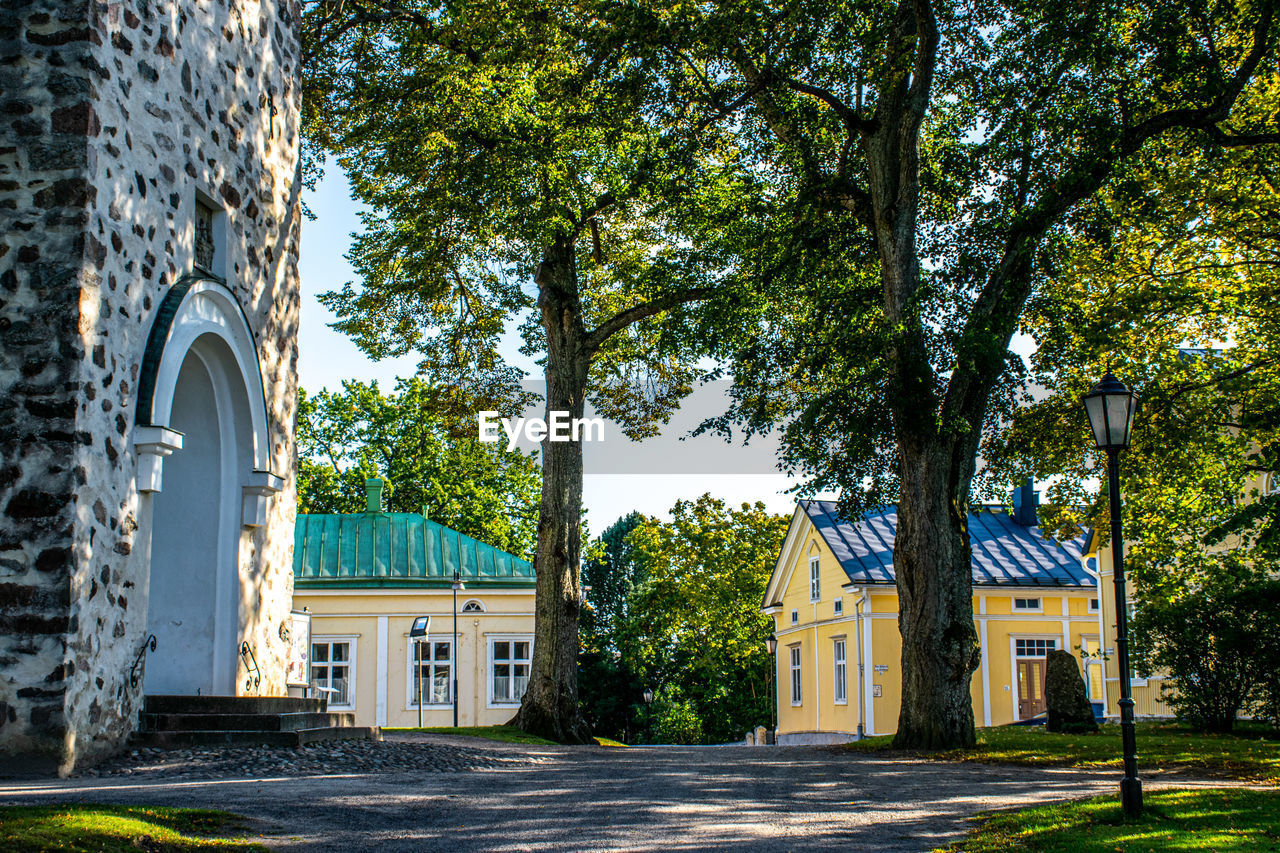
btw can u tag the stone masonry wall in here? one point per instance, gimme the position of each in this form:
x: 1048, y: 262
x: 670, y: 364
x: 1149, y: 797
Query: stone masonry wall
x: 45, y: 87
x: 177, y: 98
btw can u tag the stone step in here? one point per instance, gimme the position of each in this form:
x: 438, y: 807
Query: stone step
x: 231, y: 705
x: 297, y: 737
x: 245, y: 722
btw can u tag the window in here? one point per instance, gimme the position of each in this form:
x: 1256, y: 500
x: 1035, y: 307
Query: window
x: 431, y: 666
x: 839, y: 606
x: 815, y: 579
x: 473, y: 606
x: 795, y: 617
x: 1093, y: 605
x: 1272, y: 485
x: 841, y: 686
x: 331, y: 673
x: 1027, y: 604
x: 1034, y: 648
x: 795, y: 675
x: 204, y: 244
x: 509, y: 662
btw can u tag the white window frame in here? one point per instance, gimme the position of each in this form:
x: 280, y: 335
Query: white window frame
x: 430, y: 639
x: 795, y: 617
x: 488, y: 672
x: 796, y: 662
x: 1095, y: 604
x: 1036, y: 640
x: 479, y: 606
x: 837, y: 608
x: 351, y: 640
x: 1039, y: 608
x: 815, y: 579
x: 840, y: 667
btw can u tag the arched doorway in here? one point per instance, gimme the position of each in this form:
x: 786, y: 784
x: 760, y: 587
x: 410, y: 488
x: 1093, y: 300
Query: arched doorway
x: 202, y: 420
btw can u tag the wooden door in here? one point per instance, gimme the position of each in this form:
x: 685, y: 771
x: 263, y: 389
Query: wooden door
x: 1031, y: 674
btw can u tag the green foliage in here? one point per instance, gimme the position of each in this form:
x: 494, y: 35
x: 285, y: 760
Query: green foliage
x: 1220, y: 642
x: 695, y: 619
x: 1223, y: 820
x: 405, y: 437
x: 608, y: 690
x: 672, y: 718
x: 118, y: 829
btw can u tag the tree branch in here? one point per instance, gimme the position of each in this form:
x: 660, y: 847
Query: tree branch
x: 597, y: 337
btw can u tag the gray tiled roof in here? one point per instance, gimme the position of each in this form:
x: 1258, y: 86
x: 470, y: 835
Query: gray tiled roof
x: 1004, y: 552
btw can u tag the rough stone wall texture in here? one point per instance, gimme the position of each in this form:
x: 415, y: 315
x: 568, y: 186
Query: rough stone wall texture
x: 113, y: 116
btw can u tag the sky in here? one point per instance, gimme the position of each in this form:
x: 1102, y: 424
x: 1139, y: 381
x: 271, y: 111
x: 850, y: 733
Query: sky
x: 620, y: 475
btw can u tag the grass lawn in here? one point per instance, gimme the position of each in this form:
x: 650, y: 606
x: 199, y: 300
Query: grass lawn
x: 117, y: 829
x: 1250, y: 754
x: 506, y: 734
x: 1217, y: 819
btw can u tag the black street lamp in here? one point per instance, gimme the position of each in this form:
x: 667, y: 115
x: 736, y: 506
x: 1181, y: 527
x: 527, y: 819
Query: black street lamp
x: 771, y: 643
x: 1111, y: 407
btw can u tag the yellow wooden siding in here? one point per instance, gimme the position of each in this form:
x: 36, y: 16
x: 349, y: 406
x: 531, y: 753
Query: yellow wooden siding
x: 1064, y: 617
x: 357, y: 614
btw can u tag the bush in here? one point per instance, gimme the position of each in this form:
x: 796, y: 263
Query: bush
x: 1219, y: 643
x: 674, y: 718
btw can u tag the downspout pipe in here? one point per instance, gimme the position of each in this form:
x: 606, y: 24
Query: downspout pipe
x: 862, y: 681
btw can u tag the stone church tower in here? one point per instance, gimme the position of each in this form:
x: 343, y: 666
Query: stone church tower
x: 149, y: 216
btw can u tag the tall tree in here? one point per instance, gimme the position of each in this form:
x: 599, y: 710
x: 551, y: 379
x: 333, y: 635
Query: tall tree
x: 925, y: 154
x: 518, y: 162
x: 346, y: 437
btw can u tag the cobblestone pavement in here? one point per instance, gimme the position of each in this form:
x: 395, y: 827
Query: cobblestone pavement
x: 316, y: 759
x: 573, y: 798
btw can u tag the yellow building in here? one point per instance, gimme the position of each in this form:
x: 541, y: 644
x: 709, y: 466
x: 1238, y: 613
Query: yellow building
x: 835, y: 609
x: 365, y: 577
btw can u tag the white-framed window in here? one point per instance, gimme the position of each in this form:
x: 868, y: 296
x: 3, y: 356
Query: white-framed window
x: 795, y: 617
x: 1029, y: 605
x: 509, y: 661
x: 1093, y: 605
x: 838, y: 607
x: 473, y: 606
x: 795, y: 674
x: 333, y: 674
x: 1033, y: 648
x: 431, y: 667
x: 841, y: 670
x: 1272, y: 485
x: 815, y: 579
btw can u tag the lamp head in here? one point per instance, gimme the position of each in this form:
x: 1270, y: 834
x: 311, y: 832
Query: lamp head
x: 1111, y: 408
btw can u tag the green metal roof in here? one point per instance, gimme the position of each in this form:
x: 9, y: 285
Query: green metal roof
x: 396, y: 549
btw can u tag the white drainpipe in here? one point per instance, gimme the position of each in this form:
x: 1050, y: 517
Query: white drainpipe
x: 862, y: 687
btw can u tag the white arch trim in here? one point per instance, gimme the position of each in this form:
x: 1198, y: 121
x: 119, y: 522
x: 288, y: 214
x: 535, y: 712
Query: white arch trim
x: 192, y: 308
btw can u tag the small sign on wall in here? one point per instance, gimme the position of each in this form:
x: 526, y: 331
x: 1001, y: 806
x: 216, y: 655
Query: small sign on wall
x: 298, y: 669
x: 875, y: 690
x: 881, y: 667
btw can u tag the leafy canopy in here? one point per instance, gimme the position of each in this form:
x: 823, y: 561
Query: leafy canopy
x: 346, y: 437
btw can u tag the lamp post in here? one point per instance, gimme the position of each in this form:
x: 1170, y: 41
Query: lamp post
x: 1111, y: 407
x: 457, y: 585
x: 771, y: 643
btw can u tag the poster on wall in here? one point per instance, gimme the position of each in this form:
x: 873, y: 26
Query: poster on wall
x: 299, y: 661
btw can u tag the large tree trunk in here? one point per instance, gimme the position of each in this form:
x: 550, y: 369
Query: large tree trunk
x: 550, y: 704
x: 935, y: 605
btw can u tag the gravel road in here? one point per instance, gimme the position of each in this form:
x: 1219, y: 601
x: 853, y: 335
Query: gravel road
x: 469, y: 795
